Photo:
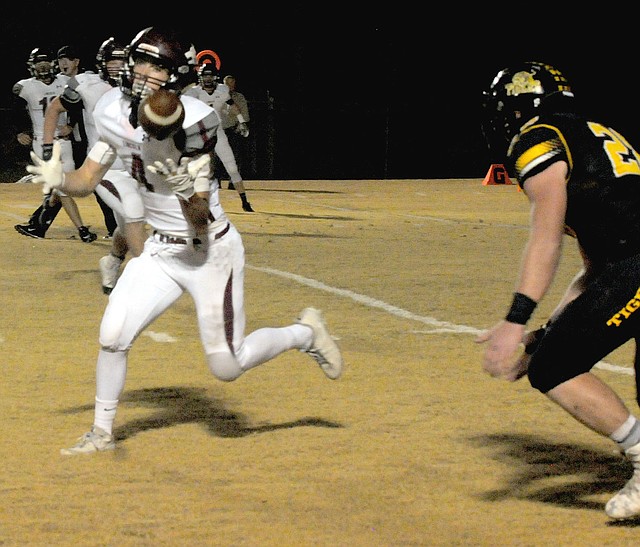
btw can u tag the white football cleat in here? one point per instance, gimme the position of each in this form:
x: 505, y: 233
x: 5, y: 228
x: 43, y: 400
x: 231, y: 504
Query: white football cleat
x: 96, y: 440
x: 626, y: 503
x: 323, y: 348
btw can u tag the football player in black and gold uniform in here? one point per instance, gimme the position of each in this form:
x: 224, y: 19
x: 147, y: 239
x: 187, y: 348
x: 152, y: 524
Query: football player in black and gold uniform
x: 582, y: 178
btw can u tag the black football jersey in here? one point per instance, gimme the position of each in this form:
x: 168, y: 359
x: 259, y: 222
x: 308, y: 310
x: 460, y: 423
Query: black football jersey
x: 603, y: 184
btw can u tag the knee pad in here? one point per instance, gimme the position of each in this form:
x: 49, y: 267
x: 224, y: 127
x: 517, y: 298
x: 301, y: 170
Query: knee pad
x: 224, y: 366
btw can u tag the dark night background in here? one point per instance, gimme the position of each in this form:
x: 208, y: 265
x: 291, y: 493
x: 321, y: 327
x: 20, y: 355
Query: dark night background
x: 366, y: 94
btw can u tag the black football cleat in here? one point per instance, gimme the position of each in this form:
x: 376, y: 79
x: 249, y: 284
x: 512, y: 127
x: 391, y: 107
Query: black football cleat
x: 85, y: 235
x: 30, y: 230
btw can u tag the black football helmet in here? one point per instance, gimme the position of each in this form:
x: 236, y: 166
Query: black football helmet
x: 208, y: 75
x: 43, y: 73
x: 67, y: 51
x: 110, y: 50
x: 163, y: 48
x: 516, y: 95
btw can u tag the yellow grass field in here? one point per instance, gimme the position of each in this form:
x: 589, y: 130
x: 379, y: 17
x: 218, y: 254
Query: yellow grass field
x: 413, y: 446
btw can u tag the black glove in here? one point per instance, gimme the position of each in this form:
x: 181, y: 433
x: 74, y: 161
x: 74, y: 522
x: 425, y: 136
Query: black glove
x: 246, y: 206
x: 47, y: 151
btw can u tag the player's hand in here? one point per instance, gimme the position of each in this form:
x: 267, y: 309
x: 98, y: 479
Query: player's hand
x: 242, y: 129
x: 180, y: 177
x: 520, y: 367
x: 65, y: 131
x: 49, y: 173
x: 24, y: 139
x: 531, y: 341
x: 504, y: 340
x: 176, y: 176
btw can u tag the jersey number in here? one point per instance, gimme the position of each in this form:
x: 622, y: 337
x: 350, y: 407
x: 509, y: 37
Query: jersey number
x: 624, y: 159
x: 44, y: 103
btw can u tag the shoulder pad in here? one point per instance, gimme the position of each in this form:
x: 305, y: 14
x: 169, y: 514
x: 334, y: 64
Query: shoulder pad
x: 70, y: 97
x: 201, y: 137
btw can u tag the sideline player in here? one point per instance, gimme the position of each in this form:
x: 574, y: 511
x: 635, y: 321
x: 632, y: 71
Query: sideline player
x: 36, y: 93
x: 236, y: 126
x: 194, y: 246
x: 69, y: 64
x: 217, y: 96
x: 118, y: 190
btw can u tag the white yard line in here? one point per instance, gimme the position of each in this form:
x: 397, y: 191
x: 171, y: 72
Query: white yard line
x: 438, y: 325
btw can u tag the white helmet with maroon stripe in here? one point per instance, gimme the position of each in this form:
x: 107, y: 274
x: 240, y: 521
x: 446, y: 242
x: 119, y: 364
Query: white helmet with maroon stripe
x: 163, y: 48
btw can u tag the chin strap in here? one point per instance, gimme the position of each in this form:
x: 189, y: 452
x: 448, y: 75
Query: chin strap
x: 133, y: 115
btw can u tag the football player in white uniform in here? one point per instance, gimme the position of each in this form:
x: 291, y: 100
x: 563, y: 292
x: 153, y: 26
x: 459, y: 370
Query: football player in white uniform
x: 210, y: 91
x: 119, y: 190
x: 44, y: 85
x: 194, y: 246
x: 69, y: 64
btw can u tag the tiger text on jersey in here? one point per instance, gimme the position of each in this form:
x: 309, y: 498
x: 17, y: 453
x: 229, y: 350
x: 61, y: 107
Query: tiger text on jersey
x: 625, y: 312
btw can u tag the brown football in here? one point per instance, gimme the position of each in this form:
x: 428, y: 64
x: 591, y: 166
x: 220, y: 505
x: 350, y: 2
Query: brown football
x: 161, y: 114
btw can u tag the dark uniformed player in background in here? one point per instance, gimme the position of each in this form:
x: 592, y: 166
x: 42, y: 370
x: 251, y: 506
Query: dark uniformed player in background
x: 582, y: 178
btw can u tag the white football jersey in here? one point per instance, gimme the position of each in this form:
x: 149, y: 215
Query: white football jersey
x: 38, y: 95
x: 111, y: 118
x: 137, y: 150
x: 216, y: 100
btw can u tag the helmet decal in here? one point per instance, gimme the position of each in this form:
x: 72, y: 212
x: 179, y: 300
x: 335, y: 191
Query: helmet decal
x: 523, y: 82
x: 515, y: 96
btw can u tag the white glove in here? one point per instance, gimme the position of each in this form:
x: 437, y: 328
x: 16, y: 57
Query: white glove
x: 243, y: 129
x: 181, y: 178
x: 49, y: 173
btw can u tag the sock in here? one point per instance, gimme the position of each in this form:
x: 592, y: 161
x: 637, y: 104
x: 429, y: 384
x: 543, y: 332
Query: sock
x: 628, y: 434
x: 35, y: 216
x: 111, y: 371
x: 105, y: 414
x: 264, y: 344
x: 48, y: 214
